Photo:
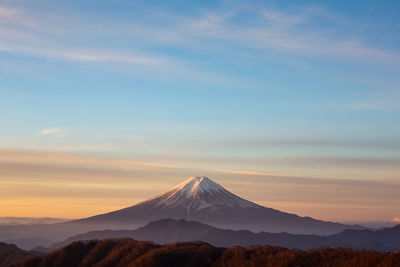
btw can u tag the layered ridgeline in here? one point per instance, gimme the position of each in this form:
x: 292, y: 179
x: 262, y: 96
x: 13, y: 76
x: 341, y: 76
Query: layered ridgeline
x: 201, y: 199
x: 169, y: 231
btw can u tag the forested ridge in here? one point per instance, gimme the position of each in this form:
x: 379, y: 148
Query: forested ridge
x: 128, y: 252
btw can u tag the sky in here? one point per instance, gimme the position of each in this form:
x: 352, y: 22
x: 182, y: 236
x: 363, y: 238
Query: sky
x: 294, y: 105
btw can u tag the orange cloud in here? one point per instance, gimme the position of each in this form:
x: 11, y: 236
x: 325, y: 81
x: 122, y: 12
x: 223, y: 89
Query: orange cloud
x: 396, y: 220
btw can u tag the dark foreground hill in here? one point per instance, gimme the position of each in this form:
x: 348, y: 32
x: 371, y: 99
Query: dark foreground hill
x: 169, y: 231
x: 10, y: 254
x: 127, y: 252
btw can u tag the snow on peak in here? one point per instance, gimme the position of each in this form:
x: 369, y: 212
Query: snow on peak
x: 199, y: 192
x: 197, y: 184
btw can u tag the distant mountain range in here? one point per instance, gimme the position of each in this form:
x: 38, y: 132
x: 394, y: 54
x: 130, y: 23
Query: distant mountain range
x: 169, y: 231
x: 196, y: 199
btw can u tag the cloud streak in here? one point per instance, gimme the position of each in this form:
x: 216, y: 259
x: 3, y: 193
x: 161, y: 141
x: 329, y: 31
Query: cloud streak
x: 51, y: 131
x: 39, y: 35
x: 285, y: 32
x: 342, y: 142
x: 275, y: 30
x: 250, y: 172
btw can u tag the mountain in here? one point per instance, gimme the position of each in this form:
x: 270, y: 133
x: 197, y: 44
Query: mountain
x: 201, y: 199
x: 387, y: 239
x: 128, y: 252
x: 169, y: 231
x: 196, y: 199
x: 29, y: 243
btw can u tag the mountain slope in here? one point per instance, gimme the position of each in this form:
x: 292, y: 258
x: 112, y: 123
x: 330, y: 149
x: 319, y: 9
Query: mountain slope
x: 169, y: 231
x: 201, y: 199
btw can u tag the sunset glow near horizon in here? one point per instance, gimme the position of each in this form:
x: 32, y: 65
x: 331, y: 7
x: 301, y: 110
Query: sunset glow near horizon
x: 294, y: 106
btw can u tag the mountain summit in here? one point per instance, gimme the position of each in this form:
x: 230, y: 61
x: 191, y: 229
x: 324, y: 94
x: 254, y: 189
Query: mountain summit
x: 201, y: 199
x: 198, y: 193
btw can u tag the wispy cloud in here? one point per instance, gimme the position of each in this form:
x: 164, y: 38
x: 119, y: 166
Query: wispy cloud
x: 61, y: 159
x: 35, y: 34
x: 274, y: 30
x: 47, y: 49
x: 346, y: 161
x: 285, y: 32
x: 342, y: 142
x: 7, y: 12
x: 251, y: 172
x: 54, y: 37
x: 388, y: 106
x: 51, y: 131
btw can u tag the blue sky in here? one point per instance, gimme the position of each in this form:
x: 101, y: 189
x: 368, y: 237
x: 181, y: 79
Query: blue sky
x: 305, y: 88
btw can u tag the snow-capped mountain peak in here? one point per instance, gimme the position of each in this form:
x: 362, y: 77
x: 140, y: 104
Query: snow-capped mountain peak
x: 197, y: 184
x: 201, y: 199
x: 199, y: 192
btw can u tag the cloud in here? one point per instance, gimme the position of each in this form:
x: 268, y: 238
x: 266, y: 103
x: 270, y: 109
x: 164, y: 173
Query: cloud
x: 7, y: 12
x: 61, y: 159
x: 251, y: 176
x: 37, y: 34
x: 272, y: 30
x: 374, y: 106
x: 382, y: 143
x: 250, y: 172
x: 49, y: 36
x: 284, y: 32
x: 272, y: 34
x: 366, y: 162
x: 396, y: 220
x: 49, y: 50
x: 282, y: 18
x: 51, y: 131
